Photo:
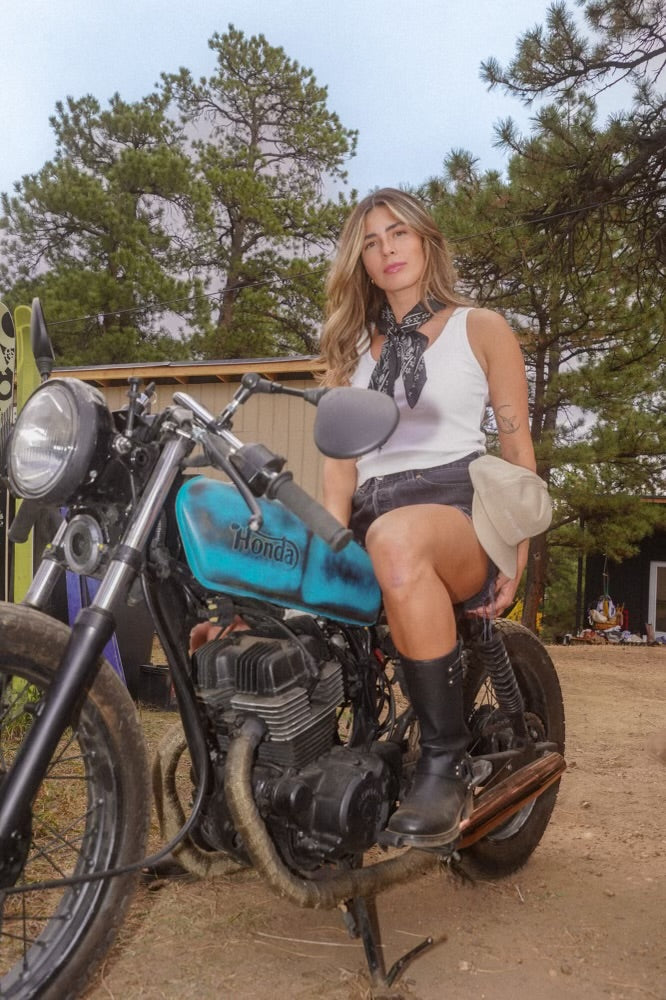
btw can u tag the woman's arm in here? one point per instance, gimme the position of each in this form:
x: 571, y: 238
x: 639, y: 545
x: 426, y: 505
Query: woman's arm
x: 498, y: 351
x: 339, y: 482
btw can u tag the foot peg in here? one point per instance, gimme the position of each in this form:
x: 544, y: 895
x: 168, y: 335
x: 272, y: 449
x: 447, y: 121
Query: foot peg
x: 481, y: 771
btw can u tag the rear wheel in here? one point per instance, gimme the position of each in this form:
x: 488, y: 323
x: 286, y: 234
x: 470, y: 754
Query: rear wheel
x: 91, y: 813
x: 509, y: 846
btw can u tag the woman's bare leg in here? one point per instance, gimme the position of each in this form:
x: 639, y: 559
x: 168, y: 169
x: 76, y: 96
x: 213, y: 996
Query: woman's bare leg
x: 426, y: 558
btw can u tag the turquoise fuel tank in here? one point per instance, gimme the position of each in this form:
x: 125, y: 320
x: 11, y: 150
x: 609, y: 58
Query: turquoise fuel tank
x: 283, y: 563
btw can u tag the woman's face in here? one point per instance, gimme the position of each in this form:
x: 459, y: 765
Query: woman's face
x: 393, y: 255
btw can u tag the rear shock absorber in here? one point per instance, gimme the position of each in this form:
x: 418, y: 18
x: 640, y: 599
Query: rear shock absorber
x: 488, y: 646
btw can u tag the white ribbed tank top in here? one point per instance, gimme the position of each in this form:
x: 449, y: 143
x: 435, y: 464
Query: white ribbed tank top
x: 445, y: 424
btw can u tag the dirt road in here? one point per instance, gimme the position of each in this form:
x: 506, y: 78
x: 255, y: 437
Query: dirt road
x: 585, y: 919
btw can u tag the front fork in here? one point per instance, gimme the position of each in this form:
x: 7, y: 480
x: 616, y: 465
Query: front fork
x: 90, y: 633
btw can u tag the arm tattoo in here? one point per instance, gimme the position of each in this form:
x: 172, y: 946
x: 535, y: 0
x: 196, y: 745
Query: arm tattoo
x: 507, y: 422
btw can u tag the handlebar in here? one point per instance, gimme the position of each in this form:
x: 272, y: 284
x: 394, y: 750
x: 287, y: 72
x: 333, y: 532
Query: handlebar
x: 316, y: 517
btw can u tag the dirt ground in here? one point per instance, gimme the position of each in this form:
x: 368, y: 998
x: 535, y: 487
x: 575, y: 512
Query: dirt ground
x: 584, y: 919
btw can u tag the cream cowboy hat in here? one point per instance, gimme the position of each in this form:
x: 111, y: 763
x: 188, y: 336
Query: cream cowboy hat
x: 510, y: 503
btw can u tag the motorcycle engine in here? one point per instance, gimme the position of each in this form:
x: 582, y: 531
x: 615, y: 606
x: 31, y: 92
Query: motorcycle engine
x: 321, y: 800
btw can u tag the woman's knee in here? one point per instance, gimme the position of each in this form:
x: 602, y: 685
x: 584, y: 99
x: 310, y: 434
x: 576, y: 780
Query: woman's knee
x: 411, y: 546
x: 397, y: 558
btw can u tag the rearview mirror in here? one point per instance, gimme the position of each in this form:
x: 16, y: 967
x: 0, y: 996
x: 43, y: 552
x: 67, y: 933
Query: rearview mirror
x: 351, y: 422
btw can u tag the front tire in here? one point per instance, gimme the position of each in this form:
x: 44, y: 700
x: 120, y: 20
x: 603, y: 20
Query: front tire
x: 91, y: 813
x: 509, y: 846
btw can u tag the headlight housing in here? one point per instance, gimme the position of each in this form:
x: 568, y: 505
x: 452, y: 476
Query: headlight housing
x: 58, y: 441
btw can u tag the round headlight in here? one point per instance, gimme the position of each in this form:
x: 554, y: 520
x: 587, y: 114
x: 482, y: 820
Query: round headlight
x: 55, y: 440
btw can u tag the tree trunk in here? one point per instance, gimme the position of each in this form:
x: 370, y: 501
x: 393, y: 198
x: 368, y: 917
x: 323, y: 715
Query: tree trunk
x: 537, y: 562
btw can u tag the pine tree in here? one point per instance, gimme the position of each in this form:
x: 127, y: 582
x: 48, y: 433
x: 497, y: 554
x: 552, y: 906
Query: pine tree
x: 265, y: 150
x: 619, y: 41
x: 93, y: 233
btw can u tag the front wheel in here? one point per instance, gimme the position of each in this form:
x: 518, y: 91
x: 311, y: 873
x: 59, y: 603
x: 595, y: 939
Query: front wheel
x: 91, y: 813
x: 508, y: 847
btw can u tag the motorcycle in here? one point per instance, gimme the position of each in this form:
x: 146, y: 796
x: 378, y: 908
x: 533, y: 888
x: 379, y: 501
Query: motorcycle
x: 295, y: 741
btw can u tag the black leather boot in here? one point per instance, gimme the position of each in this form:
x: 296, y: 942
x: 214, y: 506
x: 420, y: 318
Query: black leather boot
x: 430, y: 814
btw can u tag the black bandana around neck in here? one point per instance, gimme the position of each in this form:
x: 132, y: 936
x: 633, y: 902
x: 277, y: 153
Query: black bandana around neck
x: 402, y: 351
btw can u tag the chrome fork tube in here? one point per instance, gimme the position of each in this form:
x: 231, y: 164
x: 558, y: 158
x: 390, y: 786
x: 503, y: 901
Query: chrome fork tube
x: 126, y: 562
x: 48, y: 573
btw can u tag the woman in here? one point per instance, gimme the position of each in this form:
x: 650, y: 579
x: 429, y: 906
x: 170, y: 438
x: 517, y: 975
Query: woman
x: 394, y: 322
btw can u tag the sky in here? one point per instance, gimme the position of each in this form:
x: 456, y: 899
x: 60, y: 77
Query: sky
x: 404, y: 73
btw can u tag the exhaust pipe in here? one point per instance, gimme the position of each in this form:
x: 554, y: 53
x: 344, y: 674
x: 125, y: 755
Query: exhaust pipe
x: 492, y: 809
x: 171, y: 816
x: 509, y: 796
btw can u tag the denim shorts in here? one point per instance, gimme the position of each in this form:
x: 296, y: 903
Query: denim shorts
x: 448, y: 484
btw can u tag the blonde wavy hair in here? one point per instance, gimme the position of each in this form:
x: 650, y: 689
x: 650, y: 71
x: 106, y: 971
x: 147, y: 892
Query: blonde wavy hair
x: 353, y: 303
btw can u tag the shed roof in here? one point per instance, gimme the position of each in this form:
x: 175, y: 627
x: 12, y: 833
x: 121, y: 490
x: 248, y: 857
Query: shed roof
x: 186, y: 372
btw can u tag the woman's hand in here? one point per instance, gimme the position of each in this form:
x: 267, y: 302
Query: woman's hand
x: 503, y: 597
x: 504, y: 592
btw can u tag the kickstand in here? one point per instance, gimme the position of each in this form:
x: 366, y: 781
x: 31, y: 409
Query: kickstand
x: 360, y: 916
